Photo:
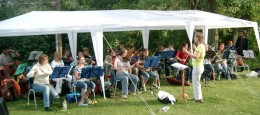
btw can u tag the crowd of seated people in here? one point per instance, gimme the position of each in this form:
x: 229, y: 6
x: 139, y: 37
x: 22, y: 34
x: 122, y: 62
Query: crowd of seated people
x: 121, y: 65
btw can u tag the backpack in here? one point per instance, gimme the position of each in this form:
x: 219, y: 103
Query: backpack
x: 71, y: 97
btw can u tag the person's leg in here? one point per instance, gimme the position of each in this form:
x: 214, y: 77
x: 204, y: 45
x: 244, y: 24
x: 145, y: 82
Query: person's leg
x: 84, y: 88
x: 188, y: 74
x: 226, y: 71
x: 155, y: 78
x: 196, y: 75
x: 45, y: 90
x: 145, y: 77
x: 112, y: 79
x: 134, y: 80
x: 53, y: 93
x: 167, y: 70
x: 219, y: 70
x: 58, y: 86
x: 124, y: 81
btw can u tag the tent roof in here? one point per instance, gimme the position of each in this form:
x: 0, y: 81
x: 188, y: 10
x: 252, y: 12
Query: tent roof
x: 53, y: 22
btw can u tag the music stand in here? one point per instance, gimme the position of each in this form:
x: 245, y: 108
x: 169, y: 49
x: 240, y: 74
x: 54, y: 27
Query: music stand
x: 20, y: 69
x: 60, y: 72
x: 181, y: 67
x: 166, y: 55
x: 151, y: 62
x: 92, y: 71
x: 34, y: 55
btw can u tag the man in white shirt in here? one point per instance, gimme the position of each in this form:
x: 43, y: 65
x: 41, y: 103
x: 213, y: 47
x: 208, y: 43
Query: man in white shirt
x: 170, y: 48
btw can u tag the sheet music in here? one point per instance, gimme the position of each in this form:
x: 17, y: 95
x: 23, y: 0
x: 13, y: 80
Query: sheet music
x: 232, y: 54
x: 248, y: 54
x: 34, y: 55
x: 179, y: 66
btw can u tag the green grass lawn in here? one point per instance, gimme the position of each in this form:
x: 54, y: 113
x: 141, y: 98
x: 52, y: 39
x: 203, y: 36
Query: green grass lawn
x: 223, y: 97
x: 241, y: 96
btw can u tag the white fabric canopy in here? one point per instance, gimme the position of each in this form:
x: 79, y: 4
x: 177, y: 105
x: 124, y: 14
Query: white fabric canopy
x: 97, y: 22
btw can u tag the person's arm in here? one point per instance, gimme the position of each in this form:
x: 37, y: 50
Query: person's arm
x: 76, y: 74
x: 177, y: 56
x: 16, y: 54
x: 116, y: 67
x: 196, y: 54
x: 32, y: 72
x: 47, y: 70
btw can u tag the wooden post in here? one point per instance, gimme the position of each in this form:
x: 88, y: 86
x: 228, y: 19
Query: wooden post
x: 182, y: 82
x: 57, y: 6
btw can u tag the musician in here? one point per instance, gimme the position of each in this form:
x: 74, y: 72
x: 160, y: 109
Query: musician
x: 170, y: 48
x: 230, y: 46
x: 241, y: 43
x: 170, y: 60
x: 7, y: 57
x: 109, y: 65
x: 67, y: 59
x: 89, y: 58
x: 161, y: 64
x: 84, y: 83
x: 123, y: 74
x: 41, y: 71
x: 147, y: 72
x: 182, y: 57
x: 57, y: 62
x: 197, y: 63
x: 221, y: 64
x: 75, y: 62
x: 133, y: 55
x: 208, y: 68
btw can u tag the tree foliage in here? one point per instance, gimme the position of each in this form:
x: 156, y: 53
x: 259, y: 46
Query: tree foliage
x: 244, y: 9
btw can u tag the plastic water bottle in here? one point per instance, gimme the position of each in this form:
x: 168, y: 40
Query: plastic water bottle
x: 64, y: 105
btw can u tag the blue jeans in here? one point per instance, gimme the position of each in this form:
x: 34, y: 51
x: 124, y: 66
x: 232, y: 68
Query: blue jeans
x: 49, y: 93
x: 147, y: 74
x: 222, y: 68
x: 85, y: 83
x: 112, y: 79
x: 123, y: 77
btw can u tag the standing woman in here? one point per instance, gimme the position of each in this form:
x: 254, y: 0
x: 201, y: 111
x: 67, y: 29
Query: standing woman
x: 123, y: 74
x: 198, y: 68
x: 41, y: 71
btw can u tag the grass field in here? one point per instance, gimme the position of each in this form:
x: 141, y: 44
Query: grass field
x: 240, y: 96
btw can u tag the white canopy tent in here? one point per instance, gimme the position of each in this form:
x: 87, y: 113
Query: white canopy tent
x: 97, y: 22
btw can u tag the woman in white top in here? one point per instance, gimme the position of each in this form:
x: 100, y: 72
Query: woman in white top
x: 57, y: 62
x: 41, y: 72
x: 123, y: 75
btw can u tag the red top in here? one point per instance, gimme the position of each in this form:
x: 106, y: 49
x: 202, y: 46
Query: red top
x: 181, y: 55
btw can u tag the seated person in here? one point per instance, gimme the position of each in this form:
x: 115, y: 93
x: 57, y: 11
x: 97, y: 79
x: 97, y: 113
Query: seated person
x: 89, y: 59
x: 182, y: 58
x: 109, y: 67
x: 67, y: 59
x: 75, y: 62
x: 84, y: 83
x: 123, y: 74
x: 240, y: 62
x: 147, y: 72
x: 230, y: 46
x: 4, y: 71
x: 170, y: 60
x: 208, y: 68
x: 133, y: 55
x: 7, y: 58
x: 57, y: 62
x: 221, y: 64
x: 41, y: 72
x: 161, y: 64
